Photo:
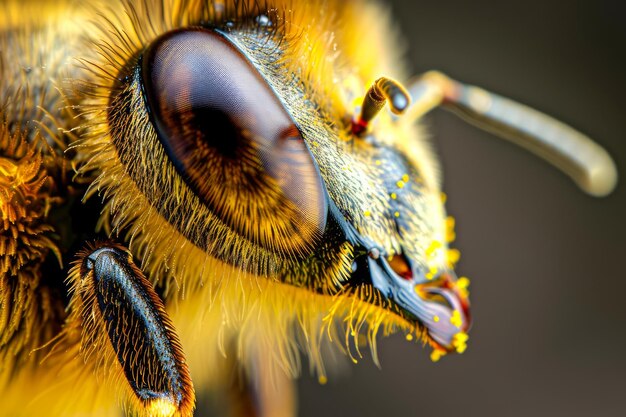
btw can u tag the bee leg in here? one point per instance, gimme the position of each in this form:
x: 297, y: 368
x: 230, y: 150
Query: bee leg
x: 586, y: 162
x: 125, y: 326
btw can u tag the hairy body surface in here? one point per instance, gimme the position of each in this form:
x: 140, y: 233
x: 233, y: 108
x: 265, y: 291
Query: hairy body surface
x: 193, y: 194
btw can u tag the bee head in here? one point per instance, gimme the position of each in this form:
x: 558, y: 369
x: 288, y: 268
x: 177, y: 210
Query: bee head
x: 221, y: 148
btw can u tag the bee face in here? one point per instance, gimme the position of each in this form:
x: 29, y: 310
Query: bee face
x: 220, y: 139
x: 263, y: 157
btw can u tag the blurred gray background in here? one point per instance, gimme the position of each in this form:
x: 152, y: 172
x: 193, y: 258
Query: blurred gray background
x: 545, y: 260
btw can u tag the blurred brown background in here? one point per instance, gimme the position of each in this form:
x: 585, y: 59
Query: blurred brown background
x: 545, y: 260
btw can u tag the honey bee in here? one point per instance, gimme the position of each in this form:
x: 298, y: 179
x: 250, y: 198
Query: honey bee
x: 196, y: 193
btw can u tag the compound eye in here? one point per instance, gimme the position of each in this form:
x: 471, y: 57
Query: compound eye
x: 232, y: 141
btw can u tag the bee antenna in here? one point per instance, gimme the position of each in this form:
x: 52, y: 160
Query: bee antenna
x: 383, y: 90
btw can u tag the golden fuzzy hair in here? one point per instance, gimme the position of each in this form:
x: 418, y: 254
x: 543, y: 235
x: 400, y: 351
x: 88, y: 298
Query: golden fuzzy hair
x: 328, y: 51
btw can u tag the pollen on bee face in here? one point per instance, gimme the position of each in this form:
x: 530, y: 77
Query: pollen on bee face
x: 450, y: 233
x: 459, y: 342
x: 432, y: 272
x: 437, y: 354
x: 456, y: 319
x: 462, y: 285
x: 453, y: 256
x: 432, y: 250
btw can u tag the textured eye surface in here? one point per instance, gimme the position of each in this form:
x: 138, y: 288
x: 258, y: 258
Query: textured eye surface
x: 231, y: 139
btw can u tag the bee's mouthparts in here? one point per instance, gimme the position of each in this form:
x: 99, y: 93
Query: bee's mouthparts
x: 436, y: 299
x: 440, y: 303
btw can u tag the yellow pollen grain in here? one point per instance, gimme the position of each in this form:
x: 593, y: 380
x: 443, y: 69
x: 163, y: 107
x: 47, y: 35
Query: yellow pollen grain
x: 394, y: 196
x: 400, y: 184
x: 397, y: 214
x: 459, y: 341
x: 433, y: 248
x: 453, y: 256
x: 322, y: 380
x: 455, y: 320
x: 437, y: 354
x: 405, y: 178
x: 461, y: 336
x: 462, y: 283
x: 431, y: 273
x: 378, y: 162
x: 367, y: 213
x: 450, y: 233
x: 436, y: 319
x: 409, y: 337
x: 450, y: 222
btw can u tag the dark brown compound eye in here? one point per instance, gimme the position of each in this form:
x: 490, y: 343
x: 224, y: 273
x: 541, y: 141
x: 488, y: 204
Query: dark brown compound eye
x: 232, y: 141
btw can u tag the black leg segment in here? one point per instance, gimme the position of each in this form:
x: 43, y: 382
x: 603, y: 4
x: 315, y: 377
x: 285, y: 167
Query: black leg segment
x: 120, y: 302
